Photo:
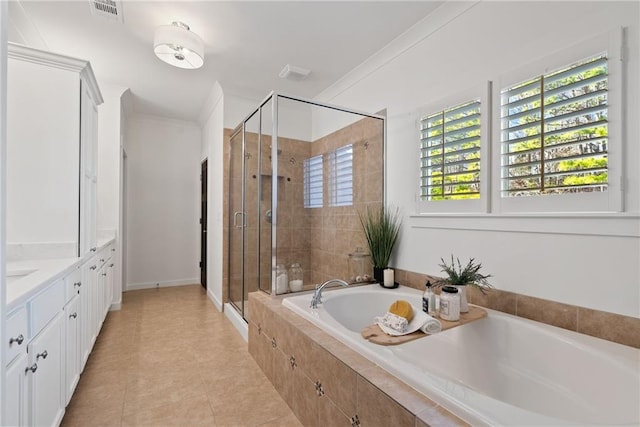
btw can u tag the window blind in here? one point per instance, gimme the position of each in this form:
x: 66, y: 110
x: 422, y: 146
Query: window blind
x: 312, y: 178
x: 555, y: 131
x: 450, y: 153
x: 341, y: 176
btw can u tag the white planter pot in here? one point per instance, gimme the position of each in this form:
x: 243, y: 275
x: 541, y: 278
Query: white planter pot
x: 464, y: 305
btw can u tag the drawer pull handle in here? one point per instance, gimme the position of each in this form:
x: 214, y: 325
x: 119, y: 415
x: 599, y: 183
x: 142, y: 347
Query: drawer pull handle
x: 73, y: 315
x: 93, y: 249
x: 77, y: 284
x: 113, y: 249
x: 101, y: 259
x: 93, y: 267
x: 111, y: 265
x: 104, y: 274
x: 19, y: 339
x: 32, y: 368
x: 44, y: 355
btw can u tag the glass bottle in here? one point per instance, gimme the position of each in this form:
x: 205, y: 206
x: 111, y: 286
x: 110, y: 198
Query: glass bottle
x: 295, y: 277
x: 429, y: 300
x: 359, y: 266
x: 281, y: 279
x: 449, y: 304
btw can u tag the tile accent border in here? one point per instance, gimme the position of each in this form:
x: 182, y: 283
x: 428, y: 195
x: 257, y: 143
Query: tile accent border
x: 600, y: 324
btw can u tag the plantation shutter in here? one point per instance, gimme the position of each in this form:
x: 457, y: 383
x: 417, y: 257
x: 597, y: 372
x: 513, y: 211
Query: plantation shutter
x: 555, y: 131
x: 450, y: 153
x: 312, y: 169
x: 341, y: 176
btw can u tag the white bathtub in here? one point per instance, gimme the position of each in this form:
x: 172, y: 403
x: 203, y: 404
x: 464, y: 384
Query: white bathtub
x: 501, y: 370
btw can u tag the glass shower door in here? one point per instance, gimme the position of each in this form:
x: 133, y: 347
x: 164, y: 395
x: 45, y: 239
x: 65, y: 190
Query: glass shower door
x: 236, y: 222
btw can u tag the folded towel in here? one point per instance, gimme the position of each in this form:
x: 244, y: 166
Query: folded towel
x: 394, y: 325
x: 431, y: 325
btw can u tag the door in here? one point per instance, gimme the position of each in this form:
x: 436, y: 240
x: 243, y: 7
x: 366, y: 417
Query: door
x: 203, y: 224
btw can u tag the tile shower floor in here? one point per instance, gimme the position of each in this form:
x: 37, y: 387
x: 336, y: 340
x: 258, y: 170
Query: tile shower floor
x: 170, y: 358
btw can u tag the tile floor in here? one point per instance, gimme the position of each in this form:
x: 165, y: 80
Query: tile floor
x: 170, y: 358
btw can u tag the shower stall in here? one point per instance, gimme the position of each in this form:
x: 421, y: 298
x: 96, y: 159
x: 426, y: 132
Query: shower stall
x: 299, y: 171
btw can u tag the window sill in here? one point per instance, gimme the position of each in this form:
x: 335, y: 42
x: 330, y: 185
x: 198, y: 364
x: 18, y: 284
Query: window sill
x: 587, y: 224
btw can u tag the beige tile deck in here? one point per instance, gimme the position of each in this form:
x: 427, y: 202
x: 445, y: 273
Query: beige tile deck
x: 169, y: 358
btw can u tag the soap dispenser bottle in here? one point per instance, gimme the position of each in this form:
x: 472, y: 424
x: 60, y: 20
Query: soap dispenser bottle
x: 429, y: 300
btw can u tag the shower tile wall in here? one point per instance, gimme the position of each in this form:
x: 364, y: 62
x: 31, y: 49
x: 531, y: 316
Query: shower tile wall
x: 336, y: 231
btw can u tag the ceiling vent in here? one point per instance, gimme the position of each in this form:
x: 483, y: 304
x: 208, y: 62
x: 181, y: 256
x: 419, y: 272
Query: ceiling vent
x: 107, y: 9
x: 292, y: 72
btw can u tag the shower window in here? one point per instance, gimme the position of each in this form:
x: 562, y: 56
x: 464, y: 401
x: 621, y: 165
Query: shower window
x: 313, y: 182
x: 341, y: 176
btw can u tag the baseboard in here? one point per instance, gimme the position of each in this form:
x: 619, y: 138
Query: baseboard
x: 150, y: 285
x: 214, y: 300
x: 238, y: 322
x: 116, y: 306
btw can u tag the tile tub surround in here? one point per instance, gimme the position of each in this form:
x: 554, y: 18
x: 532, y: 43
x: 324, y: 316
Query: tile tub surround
x: 600, y: 324
x: 325, y: 382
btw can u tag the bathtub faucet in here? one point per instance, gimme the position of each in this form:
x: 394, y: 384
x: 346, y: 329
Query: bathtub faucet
x: 317, y: 295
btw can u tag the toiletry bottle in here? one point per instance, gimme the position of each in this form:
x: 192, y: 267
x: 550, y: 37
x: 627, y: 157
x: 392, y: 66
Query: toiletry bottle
x: 449, y: 304
x: 429, y: 300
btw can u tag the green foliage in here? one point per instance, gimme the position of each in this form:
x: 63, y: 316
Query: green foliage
x: 469, y: 275
x: 381, y: 226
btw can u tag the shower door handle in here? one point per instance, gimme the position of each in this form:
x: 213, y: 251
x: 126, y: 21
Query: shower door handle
x: 235, y: 219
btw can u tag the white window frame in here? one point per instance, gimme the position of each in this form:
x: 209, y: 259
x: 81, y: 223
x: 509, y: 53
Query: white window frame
x: 610, y: 200
x: 481, y: 204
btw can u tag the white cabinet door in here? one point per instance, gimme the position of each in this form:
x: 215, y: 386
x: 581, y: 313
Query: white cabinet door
x: 88, y: 175
x: 16, y: 392
x: 73, y: 319
x: 87, y: 309
x: 45, y: 356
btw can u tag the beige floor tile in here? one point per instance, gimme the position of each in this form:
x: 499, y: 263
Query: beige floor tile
x: 170, y: 358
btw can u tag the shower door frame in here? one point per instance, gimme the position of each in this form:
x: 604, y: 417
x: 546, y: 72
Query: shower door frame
x: 273, y: 97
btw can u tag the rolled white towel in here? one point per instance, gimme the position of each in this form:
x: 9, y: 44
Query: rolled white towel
x: 431, y: 325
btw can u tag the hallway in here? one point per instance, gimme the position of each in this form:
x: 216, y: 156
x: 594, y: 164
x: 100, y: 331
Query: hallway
x: 170, y: 358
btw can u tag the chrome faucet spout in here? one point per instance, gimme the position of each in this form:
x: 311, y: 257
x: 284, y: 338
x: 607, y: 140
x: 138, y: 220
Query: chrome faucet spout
x: 317, y: 295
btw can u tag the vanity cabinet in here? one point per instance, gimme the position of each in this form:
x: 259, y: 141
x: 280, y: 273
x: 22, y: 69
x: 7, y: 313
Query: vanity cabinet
x: 45, y: 375
x: 50, y: 336
x: 16, y: 390
x: 73, y: 320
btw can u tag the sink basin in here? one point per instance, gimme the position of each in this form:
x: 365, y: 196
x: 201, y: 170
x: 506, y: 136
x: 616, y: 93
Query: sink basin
x: 15, y: 275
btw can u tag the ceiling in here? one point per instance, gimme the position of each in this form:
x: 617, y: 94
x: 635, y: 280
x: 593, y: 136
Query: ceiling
x: 246, y: 44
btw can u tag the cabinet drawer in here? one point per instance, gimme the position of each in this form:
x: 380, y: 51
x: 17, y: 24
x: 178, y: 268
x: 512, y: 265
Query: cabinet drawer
x: 45, y: 306
x: 72, y: 284
x: 17, y: 335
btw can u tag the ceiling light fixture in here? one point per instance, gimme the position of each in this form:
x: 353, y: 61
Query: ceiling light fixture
x: 175, y: 44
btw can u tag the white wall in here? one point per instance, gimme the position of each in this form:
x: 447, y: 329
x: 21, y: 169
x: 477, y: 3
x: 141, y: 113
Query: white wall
x: 163, y: 201
x: 212, y: 121
x: 590, y: 261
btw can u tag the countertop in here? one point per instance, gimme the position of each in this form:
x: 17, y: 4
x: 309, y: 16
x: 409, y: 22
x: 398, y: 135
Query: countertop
x: 46, y: 271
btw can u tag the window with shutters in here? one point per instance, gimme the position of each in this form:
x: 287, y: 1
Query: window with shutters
x: 450, y: 153
x: 453, y: 137
x: 555, y: 131
x: 313, y: 187
x: 341, y: 176
x: 558, y: 130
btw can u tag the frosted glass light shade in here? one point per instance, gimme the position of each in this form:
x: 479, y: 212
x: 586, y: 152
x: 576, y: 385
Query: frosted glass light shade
x: 176, y: 45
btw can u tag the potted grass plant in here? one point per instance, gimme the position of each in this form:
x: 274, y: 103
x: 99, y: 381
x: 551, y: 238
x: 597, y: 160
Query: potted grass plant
x: 462, y: 276
x: 381, y: 226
